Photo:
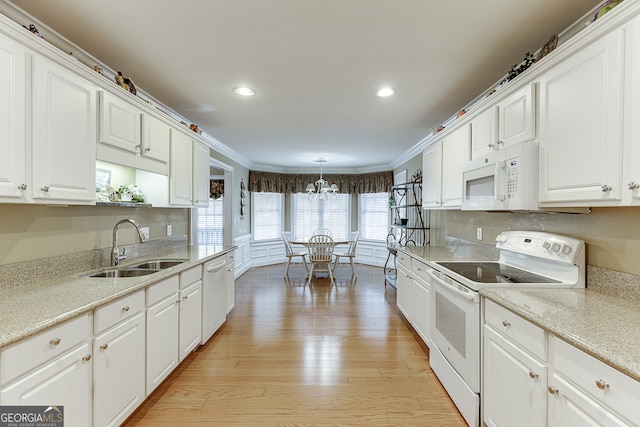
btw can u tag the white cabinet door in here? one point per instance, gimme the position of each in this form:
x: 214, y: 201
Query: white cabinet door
x: 64, y: 134
x: 162, y: 340
x: 119, y: 371
x: 420, y: 309
x: 516, y: 117
x: 156, y: 138
x: 581, y: 125
x: 455, y: 151
x: 568, y: 406
x: 432, y: 176
x: 64, y: 381
x: 403, y: 299
x: 514, y: 384
x: 181, y: 175
x: 13, y: 161
x: 119, y: 123
x: 190, y: 319
x: 484, y: 139
x: 201, y: 174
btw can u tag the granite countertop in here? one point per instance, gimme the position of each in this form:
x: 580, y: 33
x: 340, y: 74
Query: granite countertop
x: 604, y: 326
x: 32, y: 307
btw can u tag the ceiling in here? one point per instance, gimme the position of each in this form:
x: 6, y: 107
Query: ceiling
x: 315, y: 66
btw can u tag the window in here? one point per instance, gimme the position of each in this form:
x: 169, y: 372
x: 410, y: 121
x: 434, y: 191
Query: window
x: 374, y: 216
x: 209, y: 224
x: 267, y: 215
x: 306, y: 216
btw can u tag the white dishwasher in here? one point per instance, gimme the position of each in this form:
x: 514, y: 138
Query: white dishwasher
x: 214, y: 297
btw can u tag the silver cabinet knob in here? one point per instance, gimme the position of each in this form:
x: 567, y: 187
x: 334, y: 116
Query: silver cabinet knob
x: 602, y: 384
x: 552, y: 390
x: 55, y: 341
x: 491, y: 145
x: 22, y: 187
x: 184, y: 298
x: 606, y: 188
x: 533, y: 375
x: 104, y: 346
x: 87, y: 358
x: 125, y: 308
x: 506, y: 324
x: 499, y: 142
x: 45, y: 189
x: 138, y: 146
x: 633, y: 185
x: 147, y: 149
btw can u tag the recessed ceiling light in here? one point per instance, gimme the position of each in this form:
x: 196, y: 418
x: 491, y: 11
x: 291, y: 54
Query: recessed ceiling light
x: 244, y: 91
x: 384, y: 92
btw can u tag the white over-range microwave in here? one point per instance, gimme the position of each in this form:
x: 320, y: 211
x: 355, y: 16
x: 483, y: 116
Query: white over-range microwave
x: 505, y: 180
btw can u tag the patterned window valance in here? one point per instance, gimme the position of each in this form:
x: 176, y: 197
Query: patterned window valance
x: 378, y: 182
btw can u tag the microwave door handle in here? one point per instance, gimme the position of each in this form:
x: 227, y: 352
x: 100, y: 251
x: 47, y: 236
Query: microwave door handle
x: 500, y: 180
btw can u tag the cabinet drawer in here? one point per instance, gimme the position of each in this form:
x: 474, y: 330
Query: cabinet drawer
x: 190, y: 276
x: 404, y: 260
x: 524, y: 333
x: 597, y: 379
x: 30, y: 353
x: 162, y: 290
x: 117, y: 311
x: 419, y: 271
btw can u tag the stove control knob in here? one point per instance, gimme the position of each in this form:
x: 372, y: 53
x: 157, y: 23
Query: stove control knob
x: 555, y: 247
x: 546, y: 245
x: 566, y: 249
x: 501, y: 238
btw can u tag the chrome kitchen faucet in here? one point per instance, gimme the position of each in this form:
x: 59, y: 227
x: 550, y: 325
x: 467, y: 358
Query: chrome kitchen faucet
x: 115, y: 253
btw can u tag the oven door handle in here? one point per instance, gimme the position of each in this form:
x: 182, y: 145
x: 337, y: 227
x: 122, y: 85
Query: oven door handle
x: 471, y: 296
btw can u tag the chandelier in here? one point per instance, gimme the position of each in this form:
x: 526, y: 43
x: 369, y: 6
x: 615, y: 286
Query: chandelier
x: 321, y: 190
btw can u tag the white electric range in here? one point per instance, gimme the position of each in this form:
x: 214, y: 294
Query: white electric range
x: 527, y: 259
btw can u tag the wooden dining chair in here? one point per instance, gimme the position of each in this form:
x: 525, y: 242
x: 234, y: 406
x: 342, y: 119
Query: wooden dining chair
x: 293, y: 256
x: 350, y: 254
x: 321, y: 249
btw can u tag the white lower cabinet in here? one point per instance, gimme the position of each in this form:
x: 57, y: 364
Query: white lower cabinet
x: 162, y: 330
x: 420, y: 300
x: 190, y: 310
x: 585, y: 391
x: 514, y: 384
x: 572, y: 389
x: 52, y: 368
x: 119, y: 360
x: 403, y: 291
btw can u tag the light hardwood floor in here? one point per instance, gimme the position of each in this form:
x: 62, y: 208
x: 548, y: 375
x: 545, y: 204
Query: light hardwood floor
x: 306, y: 356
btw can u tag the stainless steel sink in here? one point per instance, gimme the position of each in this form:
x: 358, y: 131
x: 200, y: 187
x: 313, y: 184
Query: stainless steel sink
x: 124, y: 272
x: 158, y: 264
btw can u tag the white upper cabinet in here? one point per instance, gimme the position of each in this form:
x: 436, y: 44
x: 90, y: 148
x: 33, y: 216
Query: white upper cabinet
x: 510, y: 121
x: 517, y: 117
x: 581, y: 121
x: 13, y: 179
x: 442, y: 164
x: 130, y: 137
x: 64, y: 135
x: 120, y: 123
x: 189, y: 175
x: 156, y: 137
x: 201, y: 157
x: 181, y: 176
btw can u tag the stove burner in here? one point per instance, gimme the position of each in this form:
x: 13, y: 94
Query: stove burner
x: 494, y: 272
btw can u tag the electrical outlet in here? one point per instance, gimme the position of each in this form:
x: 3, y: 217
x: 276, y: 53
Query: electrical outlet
x: 144, y: 232
x: 169, y: 230
x: 479, y: 233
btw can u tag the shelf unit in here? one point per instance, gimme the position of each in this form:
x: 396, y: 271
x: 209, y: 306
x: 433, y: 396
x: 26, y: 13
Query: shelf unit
x: 409, y: 223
